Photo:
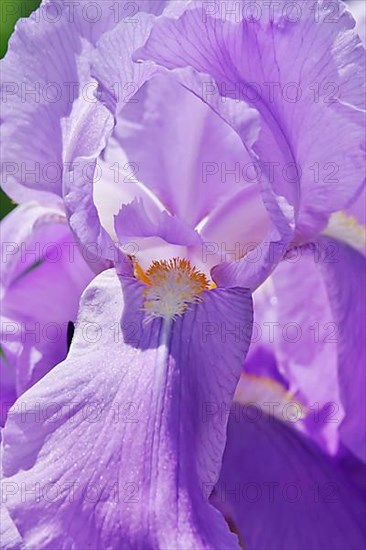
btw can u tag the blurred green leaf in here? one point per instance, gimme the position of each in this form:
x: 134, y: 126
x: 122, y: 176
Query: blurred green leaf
x: 10, y: 12
x: 6, y: 204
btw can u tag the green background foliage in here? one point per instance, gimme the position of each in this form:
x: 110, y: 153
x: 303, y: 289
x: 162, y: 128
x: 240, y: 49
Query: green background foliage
x: 10, y: 12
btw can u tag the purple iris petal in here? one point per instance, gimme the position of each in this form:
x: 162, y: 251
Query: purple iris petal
x: 133, y: 221
x: 307, y: 339
x: 238, y: 54
x: 8, y: 393
x: 121, y: 443
x: 261, y: 359
x: 39, y: 90
x: 88, y: 131
x: 332, y: 345
x: 9, y: 534
x: 210, y: 207
x: 358, y: 11
x: 280, y: 492
x: 346, y: 286
x: 207, y: 151
x: 311, y: 317
x: 142, y: 421
x: 92, y: 120
x: 42, y: 277
x: 358, y: 210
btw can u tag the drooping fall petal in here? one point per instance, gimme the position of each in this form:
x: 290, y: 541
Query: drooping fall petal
x: 280, y: 492
x: 127, y: 418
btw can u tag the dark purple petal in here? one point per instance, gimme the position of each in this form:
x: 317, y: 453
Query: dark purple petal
x: 280, y: 492
x: 129, y: 419
x: 8, y: 393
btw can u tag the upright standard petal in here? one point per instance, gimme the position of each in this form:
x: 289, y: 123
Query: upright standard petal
x: 315, y: 173
x: 87, y: 132
x: 183, y: 153
x: 188, y: 156
x: 280, y: 492
x: 132, y: 423
x: 250, y: 54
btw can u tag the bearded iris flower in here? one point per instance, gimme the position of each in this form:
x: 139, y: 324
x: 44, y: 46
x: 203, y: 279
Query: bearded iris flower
x: 130, y: 431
